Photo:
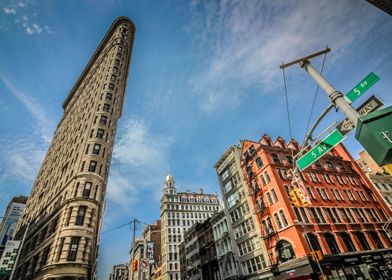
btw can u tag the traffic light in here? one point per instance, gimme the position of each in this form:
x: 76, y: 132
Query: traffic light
x: 317, y: 255
x: 135, y: 265
x: 294, y: 198
x: 301, y: 198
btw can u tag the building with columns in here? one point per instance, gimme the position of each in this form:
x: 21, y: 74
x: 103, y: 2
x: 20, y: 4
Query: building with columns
x: 248, y: 246
x: 342, y: 227
x: 64, y: 211
x: 179, y: 211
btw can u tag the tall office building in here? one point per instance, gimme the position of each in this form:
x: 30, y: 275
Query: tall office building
x: 10, y: 220
x: 249, y: 247
x: 343, y: 227
x: 64, y: 211
x: 179, y: 211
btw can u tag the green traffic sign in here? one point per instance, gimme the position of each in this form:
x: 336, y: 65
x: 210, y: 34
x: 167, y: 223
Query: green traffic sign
x: 321, y: 149
x: 363, y: 86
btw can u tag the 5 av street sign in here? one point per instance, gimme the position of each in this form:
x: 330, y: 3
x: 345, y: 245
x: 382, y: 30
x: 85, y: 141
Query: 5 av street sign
x: 370, y: 105
x: 363, y: 86
x: 318, y: 151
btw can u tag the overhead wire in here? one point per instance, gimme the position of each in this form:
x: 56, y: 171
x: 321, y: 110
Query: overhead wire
x: 138, y: 222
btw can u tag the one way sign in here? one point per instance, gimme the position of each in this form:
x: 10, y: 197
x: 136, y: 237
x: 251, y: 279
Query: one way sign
x: 370, y: 105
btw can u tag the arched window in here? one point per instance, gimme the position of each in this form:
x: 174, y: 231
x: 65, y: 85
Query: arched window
x: 277, y: 220
x: 313, y: 242
x: 275, y: 158
x: 331, y: 241
x: 283, y: 216
x: 376, y: 239
x: 362, y: 239
x: 259, y: 162
x: 284, y: 251
x: 348, y: 242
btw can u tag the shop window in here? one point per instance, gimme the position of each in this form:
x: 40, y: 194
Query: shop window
x: 362, y: 239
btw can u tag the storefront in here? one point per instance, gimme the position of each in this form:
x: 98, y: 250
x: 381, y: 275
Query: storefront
x: 375, y: 265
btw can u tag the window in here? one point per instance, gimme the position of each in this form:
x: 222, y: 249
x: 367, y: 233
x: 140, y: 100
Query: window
x: 81, y: 214
x: 331, y: 241
x: 232, y: 200
x: 269, y: 198
x: 267, y: 177
x: 275, y: 197
x: 362, y: 239
x: 290, y: 159
x: 376, y: 240
x: 315, y: 216
x: 100, y: 133
x: 45, y: 256
x: 263, y: 180
x: 69, y: 216
x: 283, y: 217
x: 103, y: 120
x: 228, y: 186
x: 111, y: 86
x: 313, y: 242
x: 92, y: 166
x: 330, y: 165
x: 259, y: 162
x: 96, y: 149
x: 106, y: 107
x: 284, y: 251
x: 277, y: 220
x: 348, y: 242
x: 108, y: 96
x: 87, y: 189
x: 73, y: 248
x: 275, y: 158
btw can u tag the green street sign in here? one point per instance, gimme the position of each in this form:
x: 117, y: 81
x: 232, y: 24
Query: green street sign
x: 321, y: 149
x: 363, y: 86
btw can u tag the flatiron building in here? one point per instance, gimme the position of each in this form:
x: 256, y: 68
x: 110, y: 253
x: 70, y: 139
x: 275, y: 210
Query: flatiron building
x: 64, y: 211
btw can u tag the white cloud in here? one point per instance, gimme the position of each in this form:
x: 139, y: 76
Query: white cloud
x: 43, y: 121
x: 21, y: 4
x: 138, y: 147
x: 9, y: 11
x: 140, y: 159
x: 247, y: 41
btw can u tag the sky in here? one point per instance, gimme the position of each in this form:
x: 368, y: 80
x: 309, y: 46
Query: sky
x: 204, y: 75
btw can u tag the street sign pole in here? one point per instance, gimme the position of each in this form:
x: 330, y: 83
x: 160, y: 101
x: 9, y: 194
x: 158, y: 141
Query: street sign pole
x: 335, y: 96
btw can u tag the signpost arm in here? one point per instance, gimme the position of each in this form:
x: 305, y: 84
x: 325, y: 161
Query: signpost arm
x: 336, y: 97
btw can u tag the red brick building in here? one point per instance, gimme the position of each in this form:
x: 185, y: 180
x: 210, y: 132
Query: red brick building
x: 344, y: 220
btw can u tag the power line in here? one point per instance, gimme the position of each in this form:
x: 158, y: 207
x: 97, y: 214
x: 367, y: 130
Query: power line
x: 115, y: 228
x: 138, y: 222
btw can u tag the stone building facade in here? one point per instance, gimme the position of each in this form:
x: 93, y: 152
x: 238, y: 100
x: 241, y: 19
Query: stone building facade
x: 64, y: 211
x: 119, y: 272
x: 152, y: 242
x: 241, y: 215
x: 225, y: 247
x: 179, y: 211
x: 342, y: 226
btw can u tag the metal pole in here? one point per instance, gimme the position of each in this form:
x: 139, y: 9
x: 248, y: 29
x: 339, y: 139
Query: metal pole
x: 20, y: 249
x: 336, y: 97
x: 311, y: 248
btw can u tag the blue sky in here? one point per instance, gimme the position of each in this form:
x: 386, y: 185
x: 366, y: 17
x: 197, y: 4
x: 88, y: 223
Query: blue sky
x: 204, y: 74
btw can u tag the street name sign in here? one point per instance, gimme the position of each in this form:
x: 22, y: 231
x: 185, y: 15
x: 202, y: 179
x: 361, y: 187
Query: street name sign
x: 363, y: 86
x: 370, y: 105
x: 320, y: 149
